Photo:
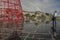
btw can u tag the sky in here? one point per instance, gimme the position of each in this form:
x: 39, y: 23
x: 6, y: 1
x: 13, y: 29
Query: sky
x: 41, y: 5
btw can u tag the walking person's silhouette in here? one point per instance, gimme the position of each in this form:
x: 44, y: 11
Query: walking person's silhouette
x: 54, y: 18
x: 54, y: 25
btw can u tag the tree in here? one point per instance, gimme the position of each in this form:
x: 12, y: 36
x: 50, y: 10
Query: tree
x: 43, y: 18
x: 32, y: 17
x: 47, y: 14
x: 27, y: 15
x: 39, y: 17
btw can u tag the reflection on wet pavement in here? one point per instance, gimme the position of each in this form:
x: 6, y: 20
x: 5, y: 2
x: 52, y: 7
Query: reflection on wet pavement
x: 39, y: 32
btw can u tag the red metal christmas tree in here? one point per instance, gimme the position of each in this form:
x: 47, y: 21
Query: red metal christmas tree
x: 11, y: 13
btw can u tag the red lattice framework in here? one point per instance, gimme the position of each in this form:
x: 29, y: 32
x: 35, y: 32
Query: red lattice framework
x: 11, y: 13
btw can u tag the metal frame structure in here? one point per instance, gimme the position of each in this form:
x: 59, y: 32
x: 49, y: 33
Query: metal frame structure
x: 11, y: 12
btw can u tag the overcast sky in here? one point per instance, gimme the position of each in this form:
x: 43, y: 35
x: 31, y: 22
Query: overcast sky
x: 41, y: 5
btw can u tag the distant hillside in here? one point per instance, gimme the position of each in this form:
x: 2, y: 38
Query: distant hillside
x: 37, y: 16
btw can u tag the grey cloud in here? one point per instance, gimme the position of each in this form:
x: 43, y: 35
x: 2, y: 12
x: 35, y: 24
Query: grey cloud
x: 41, y: 5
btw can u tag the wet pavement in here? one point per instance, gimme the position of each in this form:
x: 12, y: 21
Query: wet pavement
x: 41, y: 31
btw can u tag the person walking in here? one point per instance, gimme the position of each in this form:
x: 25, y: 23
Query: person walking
x: 54, y: 25
x: 54, y: 18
